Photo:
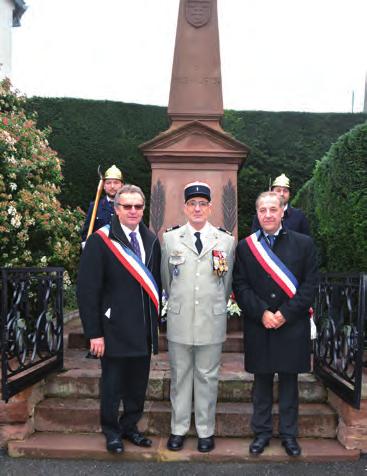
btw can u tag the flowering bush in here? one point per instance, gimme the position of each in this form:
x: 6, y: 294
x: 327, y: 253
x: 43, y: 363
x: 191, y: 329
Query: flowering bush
x: 35, y: 230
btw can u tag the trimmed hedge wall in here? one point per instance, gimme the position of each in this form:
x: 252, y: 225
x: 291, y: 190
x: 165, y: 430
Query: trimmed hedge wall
x: 336, y: 201
x: 87, y: 133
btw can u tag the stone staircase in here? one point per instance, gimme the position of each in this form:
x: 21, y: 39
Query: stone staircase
x: 66, y: 422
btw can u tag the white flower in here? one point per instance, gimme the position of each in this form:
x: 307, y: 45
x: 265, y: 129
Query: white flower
x: 233, y: 308
x: 44, y: 260
x: 12, y: 210
x: 16, y: 221
x: 11, y: 160
x: 13, y: 186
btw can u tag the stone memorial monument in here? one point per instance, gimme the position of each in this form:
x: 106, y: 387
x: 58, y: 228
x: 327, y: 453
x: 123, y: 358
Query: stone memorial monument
x: 195, y: 147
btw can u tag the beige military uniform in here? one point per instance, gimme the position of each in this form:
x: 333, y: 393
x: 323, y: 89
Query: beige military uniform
x: 196, y: 322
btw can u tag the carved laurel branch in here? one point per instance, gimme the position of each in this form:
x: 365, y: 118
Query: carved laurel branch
x: 157, y: 206
x: 229, y: 206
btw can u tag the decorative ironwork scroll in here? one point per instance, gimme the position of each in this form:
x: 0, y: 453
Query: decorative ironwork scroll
x: 157, y: 206
x: 229, y: 206
x: 31, y: 326
x: 340, y: 314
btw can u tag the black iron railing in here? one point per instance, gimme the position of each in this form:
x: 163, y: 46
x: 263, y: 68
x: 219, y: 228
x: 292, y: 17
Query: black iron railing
x: 31, y: 326
x: 340, y: 316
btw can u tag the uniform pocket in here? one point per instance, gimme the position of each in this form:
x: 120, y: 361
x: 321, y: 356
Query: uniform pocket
x: 220, y: 308
x: 174, y: 307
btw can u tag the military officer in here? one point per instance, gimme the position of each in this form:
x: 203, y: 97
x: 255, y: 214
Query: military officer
x: 197, y: 261
x: 294, y: 218
x: 112, y: 181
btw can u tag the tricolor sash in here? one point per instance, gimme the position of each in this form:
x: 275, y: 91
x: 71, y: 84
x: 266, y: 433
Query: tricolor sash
x: 270, y: 262
x: 133, y: 264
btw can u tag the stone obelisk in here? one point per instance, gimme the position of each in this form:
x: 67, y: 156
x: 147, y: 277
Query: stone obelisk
x: 195, y: 147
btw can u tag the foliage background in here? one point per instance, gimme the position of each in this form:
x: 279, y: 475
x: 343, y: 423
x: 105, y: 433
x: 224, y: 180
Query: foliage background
x: 87, y: 133
x: 335, y: 200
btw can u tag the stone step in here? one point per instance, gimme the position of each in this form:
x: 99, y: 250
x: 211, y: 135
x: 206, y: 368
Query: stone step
x: 232, y: 420
x: 81, y: 379
x: 227, y: 450
x: 234, y: 342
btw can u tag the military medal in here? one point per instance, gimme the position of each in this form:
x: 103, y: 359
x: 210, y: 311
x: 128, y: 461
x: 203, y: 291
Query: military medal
x: 220, y: 265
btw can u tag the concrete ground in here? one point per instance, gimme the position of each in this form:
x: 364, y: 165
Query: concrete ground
x: 33, y: 467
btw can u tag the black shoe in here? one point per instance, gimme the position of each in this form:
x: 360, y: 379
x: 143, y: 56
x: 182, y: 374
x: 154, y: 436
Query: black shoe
x: 258, y: 445
x: 114, y: 445
x: 175, y: 442
x: 206, y: 444
x: 138, y: 439
x: 291, y: 446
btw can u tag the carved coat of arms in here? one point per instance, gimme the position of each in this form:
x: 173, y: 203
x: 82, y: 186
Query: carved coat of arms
x: 198, y: 12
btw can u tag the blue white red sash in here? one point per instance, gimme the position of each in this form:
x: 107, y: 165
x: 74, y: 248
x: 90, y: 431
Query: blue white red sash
x: 270, y: 262
x: 133, y: 264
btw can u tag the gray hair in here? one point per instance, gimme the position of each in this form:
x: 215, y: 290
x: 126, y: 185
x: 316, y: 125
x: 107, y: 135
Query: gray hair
x: 128, y: 188
x: 272, y: 195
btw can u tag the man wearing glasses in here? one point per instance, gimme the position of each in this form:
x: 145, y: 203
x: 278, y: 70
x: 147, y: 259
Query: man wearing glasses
x: 197, y: 261
x: 118, y: 295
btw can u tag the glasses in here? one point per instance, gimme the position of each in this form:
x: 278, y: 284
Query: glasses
x: 194, y: 204
x: 126, y: 206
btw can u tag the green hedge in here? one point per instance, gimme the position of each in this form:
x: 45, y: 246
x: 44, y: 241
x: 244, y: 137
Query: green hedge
x: 336, y: 200
x: 87, y: 133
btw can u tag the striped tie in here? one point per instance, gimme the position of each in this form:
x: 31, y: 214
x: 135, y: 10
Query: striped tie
x: 135, y: 244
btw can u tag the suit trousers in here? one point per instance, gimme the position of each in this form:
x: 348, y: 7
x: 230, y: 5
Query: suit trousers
x: 262, y: 397
x: 194, y: 368
x: 123, y: 379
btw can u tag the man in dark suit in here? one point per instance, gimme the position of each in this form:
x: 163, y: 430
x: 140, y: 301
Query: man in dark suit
x: 294, y: 218
x: 274, y: 281
x: 118, y: 294
x: 112, y: 181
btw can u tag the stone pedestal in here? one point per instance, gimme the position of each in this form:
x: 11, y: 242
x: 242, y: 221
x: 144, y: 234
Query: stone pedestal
x: 352, y: 425
x: 193, y: 152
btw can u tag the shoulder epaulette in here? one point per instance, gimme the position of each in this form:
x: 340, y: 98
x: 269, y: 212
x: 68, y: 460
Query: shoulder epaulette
x: 224, y: 230
x: 173, y: 228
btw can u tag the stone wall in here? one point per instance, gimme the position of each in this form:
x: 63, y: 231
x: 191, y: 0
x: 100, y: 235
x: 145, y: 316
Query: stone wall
x: 16, y: 416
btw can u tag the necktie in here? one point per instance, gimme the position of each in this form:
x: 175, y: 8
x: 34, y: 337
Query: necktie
x: 271, y: 239
x: 135, y: 244
x: 198, y: 242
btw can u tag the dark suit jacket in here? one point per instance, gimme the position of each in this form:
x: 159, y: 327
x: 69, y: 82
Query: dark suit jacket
x: 105, y: 212
x: 111, y: 302
x: 286, y: 349
x: 294, y: 219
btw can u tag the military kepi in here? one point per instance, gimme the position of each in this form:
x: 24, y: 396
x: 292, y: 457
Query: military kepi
x: 197, y: 189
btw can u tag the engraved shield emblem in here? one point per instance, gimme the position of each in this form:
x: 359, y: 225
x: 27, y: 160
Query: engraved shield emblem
x: 198, y: 12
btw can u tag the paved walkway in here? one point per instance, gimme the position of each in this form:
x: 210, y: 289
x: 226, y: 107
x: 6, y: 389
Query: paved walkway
x: 28, y: 467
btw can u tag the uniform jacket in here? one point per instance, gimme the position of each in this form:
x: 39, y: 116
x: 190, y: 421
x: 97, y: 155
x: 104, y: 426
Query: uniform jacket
x: 294, y: 219
x: 197, y: 305
x: 286, y: 349
x: 111, y: 302
x: 105, y: 212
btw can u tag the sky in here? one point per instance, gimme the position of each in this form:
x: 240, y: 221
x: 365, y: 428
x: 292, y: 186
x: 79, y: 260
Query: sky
x: 276, y: 55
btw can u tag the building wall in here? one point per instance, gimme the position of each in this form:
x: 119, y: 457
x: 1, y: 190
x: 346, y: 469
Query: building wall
x: 6, y: 23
